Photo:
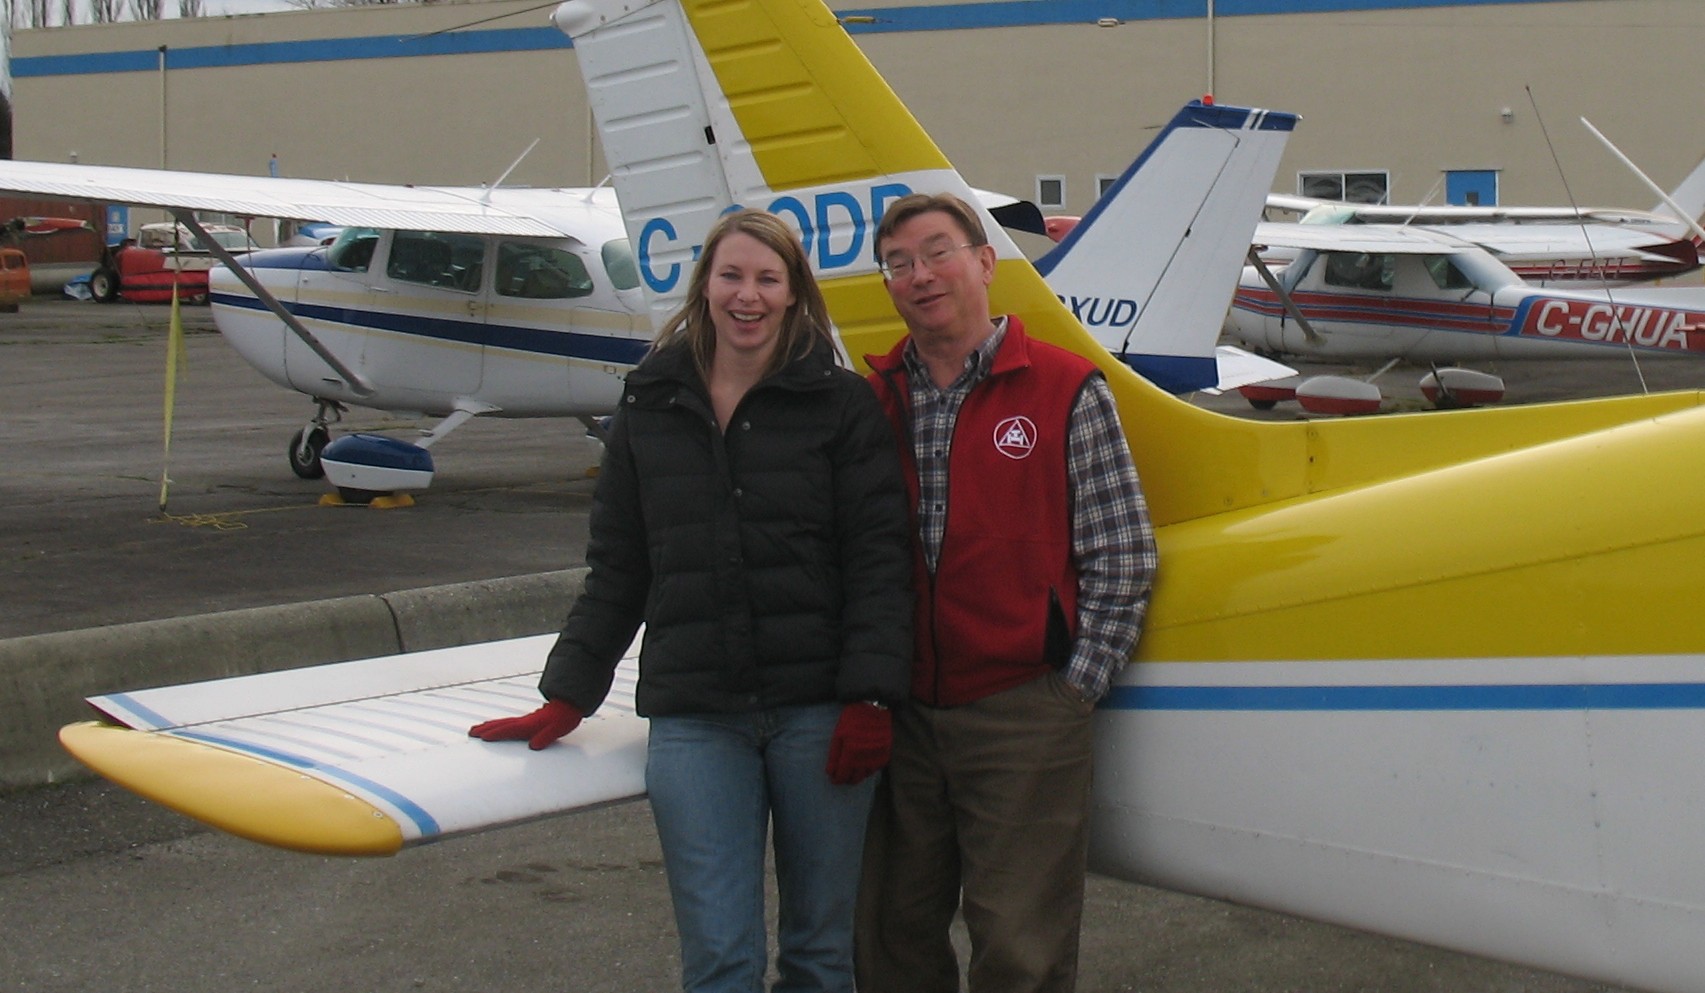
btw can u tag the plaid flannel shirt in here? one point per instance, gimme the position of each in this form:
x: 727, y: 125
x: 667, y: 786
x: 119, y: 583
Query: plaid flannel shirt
x: 1112, y: 538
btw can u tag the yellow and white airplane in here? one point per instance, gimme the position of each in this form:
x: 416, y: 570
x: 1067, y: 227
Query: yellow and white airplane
x: 1439, y: 676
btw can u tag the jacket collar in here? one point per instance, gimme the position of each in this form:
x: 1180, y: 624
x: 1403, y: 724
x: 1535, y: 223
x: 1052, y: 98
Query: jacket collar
x: 673, y: 366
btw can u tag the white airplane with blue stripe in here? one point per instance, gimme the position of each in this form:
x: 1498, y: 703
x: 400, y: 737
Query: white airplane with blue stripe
x: 434, y: 301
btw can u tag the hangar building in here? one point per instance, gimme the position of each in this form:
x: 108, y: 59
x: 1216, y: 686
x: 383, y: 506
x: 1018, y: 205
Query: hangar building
x: 1046, y: 99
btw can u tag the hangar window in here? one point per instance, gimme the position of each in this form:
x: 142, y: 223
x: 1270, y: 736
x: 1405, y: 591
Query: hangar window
x: 1354, y: 187
x: 1050, y: 192
x: 540, y: 272
x: 1103, y: 183
x: 451, y: 261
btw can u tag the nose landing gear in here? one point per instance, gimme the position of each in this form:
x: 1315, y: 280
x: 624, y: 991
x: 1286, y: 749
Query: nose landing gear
x: 308, y: 443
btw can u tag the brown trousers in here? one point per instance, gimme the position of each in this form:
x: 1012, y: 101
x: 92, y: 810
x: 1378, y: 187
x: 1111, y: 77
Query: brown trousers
x: 984, y: 807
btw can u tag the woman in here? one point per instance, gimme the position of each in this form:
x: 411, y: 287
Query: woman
x: 750, y: 511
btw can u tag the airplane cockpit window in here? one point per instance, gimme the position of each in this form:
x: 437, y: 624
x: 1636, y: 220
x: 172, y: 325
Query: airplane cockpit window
x: 540, y: 272
x: 1329, y: 213
x: 434, y: 258
x: 353, y: 249
x: 1359, y: 270
x: 619, y: 263
x: 1446, y: 276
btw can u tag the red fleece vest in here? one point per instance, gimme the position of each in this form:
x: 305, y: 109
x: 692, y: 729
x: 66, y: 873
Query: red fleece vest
x: 1001, y: 607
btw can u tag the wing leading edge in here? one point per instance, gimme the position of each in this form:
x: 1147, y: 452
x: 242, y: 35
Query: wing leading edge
x: 468, y: 210
x: 366, y: 757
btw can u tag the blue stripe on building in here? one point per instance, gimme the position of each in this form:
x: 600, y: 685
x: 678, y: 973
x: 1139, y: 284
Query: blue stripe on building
x: 947, y: 17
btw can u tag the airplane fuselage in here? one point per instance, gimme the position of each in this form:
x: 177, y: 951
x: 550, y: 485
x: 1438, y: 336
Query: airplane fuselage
x: 1411, y: 308
x: 435, y: 322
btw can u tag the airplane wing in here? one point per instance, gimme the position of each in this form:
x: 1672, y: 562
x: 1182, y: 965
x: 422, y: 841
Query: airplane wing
x: 426, y: 208
x: 1454, y: 214
x: 1517, y: 242
x: 1509, y: 242
x: 365, y: 757
x: 1242, y: 368
x: 1369, y: 238
x: 1292, y: 203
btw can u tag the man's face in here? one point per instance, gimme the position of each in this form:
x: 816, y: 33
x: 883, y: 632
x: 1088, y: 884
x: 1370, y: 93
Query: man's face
x: 938, y: 281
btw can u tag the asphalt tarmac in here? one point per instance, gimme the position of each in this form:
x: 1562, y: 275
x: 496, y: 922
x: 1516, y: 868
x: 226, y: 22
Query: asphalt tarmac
x: 102, y: 890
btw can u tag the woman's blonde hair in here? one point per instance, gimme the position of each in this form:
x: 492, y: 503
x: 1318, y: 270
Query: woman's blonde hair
x: 804, y: 322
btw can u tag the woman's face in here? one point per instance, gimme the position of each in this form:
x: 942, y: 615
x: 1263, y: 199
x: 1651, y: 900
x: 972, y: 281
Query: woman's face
x: 749, y: 296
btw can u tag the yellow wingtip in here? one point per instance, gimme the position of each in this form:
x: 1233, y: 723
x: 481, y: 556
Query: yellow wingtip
x: 240, y: 794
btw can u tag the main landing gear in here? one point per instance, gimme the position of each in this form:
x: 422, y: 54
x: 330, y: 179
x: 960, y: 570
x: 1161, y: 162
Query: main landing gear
x: 380, y: 471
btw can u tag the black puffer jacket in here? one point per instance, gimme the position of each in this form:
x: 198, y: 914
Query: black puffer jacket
x: 771, y: 564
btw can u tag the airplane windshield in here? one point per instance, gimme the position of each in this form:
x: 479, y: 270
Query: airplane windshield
x: 1329, y: 213
x: 1446, y: 276
x: 353, y: 249
x: 619, y: 263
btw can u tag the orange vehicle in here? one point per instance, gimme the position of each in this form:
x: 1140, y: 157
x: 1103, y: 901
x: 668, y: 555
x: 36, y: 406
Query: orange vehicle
x: 145, y: 268
x: 14, y: 279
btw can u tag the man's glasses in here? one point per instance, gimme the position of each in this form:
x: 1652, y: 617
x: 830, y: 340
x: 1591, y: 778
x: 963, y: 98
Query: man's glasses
x: 932, y: 258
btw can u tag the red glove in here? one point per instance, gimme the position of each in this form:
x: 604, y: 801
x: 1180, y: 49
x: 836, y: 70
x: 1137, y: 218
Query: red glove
x: 543, y: 726
x: 864, y: 737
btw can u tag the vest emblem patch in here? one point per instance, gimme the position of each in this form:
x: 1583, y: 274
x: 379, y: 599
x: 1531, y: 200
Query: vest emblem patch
x: 1015, y: 437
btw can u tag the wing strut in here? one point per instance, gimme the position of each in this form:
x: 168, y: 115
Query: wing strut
x: 1283, y: 295
x: 356, y: 381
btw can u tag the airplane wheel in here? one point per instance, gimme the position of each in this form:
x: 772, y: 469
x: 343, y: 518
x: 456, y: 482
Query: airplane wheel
x: 1263, y: 404
x: 103, y: 285
x: 305, y: 448
x: 360, y: 497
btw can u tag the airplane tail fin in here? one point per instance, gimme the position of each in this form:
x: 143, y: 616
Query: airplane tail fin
x: 704, y: 104
x: 1150, y: 268
x: 1689, y: 195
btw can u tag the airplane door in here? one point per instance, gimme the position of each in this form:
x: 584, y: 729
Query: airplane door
x: 426, y: 331
x: 334, y: 302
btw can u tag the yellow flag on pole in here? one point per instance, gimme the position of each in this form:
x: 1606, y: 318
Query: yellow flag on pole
x: 174, y: 357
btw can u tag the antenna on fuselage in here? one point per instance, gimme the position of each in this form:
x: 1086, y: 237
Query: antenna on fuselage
x: 592, y: 191
x: 485, y: 197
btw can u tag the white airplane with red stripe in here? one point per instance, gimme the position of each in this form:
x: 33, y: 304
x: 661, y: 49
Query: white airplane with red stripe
x: 1421, y: 296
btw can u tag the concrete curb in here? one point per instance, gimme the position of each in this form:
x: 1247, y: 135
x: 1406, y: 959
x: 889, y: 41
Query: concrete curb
x: 45, y: 678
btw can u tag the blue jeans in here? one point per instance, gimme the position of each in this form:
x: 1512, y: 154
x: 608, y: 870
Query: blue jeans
x: 716, y: 783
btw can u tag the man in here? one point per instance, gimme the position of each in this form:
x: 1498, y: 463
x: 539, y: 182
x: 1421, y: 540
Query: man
x: 1032, y: 567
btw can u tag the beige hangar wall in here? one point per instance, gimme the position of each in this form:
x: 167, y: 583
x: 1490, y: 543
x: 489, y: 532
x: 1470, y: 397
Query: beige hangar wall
x: 1410, y: 89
